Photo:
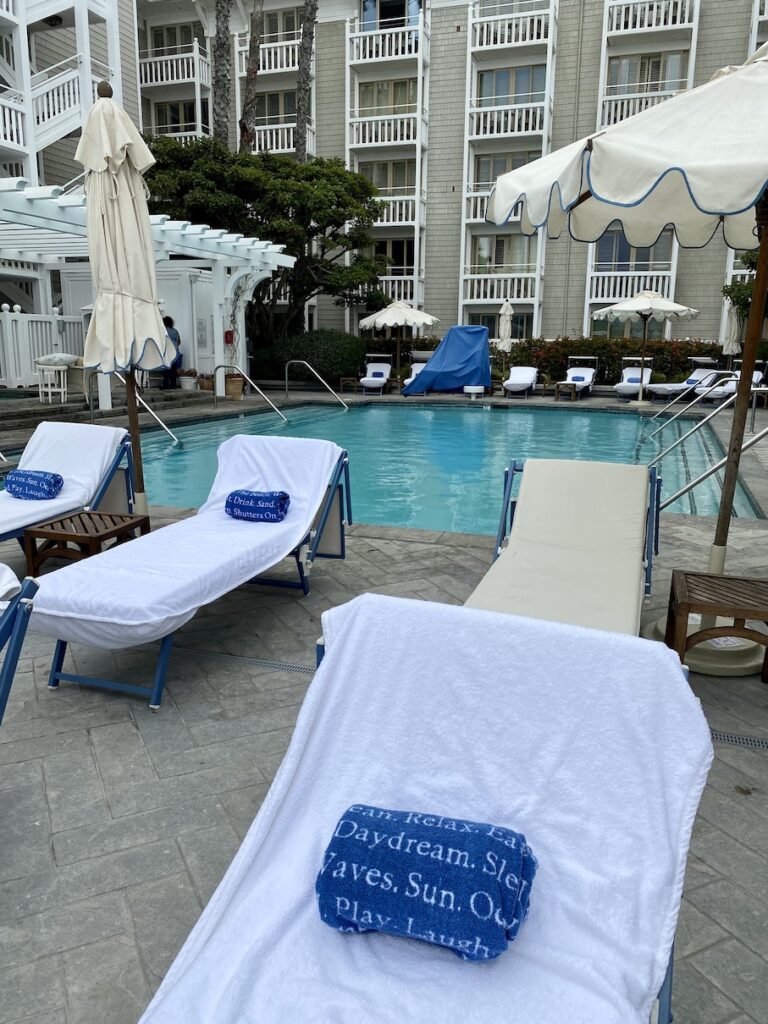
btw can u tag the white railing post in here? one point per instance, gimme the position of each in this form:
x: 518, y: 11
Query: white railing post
x: 198, y: 90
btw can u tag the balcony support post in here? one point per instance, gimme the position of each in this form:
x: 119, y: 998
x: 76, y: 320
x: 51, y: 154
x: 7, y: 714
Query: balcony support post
x: 113, y: 57
x: 83, y: 44
x: 24, y: 85
x: 198, y: 91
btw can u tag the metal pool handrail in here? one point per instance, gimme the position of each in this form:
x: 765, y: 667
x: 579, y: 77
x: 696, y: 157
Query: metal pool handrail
x: 140, y: 400
x: 699, y: 425
x: 325, y: 384
x: 718, y: 382
x: 230, y: 366
x: 712, y: 469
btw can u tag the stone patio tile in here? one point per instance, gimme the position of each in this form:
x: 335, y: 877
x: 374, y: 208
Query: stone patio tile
x: 695, y: 930
x: 738, y: 912
x: 207, y: 854
x: 753, y: 763
x: 726, y: 855
x: 53, y: 931
x: 74, y: 790
x: 697, y: 873
x: 176, y: 789
x: 35, y: 988
x: 242, y: 806
x: 71, y: 721
x: 231, y: 729
x: 25, y: 831
x: 46, y: 890
x: 735, y: 819
x: 105, y: 983
x: 94, y: 840
x: 745, y: 789
x: 213, y: 755
x: 163, y: 913
x: 164, y: 732
x: 121, y: 755
x: 54, y: 1017
x: 696, y: 1001
x: 739, y: 973
x: 41, y: 746
x: 23, y: 774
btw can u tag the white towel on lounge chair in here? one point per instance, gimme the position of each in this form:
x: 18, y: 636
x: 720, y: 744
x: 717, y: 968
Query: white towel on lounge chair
x: 728, y: 388
x: 701, y: 375
x: 581, y: 376
x: 521, y: 378
x: 80, y: 453
x: 9, y: 584
x: 415, y: 371
x: 629, y: 385
x: 143, y: 590
x: 369, y: 381
x: 521, y: 723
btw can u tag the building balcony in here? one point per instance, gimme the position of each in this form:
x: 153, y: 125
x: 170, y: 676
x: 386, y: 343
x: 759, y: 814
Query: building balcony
x: 12, y: 134
x: 383, y: 130
x: 505, y: 121
x: 274, y: 54
x: 476, y: 200
x: 177, y: 67
x: 183, y: 133
x: 8, y: 12
x: 281, y: 138
x: 398, y: 210
x: 614, y: 285
x: 499, y: 284
x: 521, y: 25
x: 619, y: 107
x: 388, y: 40
x: 402, y: 287
x: 637, y: 17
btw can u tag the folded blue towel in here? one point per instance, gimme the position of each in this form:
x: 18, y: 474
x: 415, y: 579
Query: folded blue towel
x: 455, y: 883
x: 377, y: 373
x: 693, y: 380
x: 633, y: 380
x: 257, y: 506
x: 33, y: 484
x: 577, y: 378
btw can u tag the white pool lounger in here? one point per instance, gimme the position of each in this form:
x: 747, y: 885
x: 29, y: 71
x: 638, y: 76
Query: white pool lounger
x: 148, y: 588
x: 478, y: 716
x: 579, y: 546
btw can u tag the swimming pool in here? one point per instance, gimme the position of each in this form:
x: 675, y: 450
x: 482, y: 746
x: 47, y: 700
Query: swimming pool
x: 438, y: 467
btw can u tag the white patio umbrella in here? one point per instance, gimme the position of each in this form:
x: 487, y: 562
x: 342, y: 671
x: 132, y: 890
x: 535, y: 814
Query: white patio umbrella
x: 696, y: 162
x: 732, y: 339
x: 504, y: 343
x: 397, y: 314
x: 645, y: 306
x: 126, y: 331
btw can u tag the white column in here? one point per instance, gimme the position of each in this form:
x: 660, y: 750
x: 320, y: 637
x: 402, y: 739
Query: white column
x: 219, y: 283
x: 24, y: 86
x: 198, y: 94
x: 83, y: 44
x: 113, y: 54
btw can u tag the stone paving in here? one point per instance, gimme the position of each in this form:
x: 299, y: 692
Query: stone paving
x: 117, y: 823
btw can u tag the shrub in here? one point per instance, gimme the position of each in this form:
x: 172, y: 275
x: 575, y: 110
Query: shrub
x: 333, y: 354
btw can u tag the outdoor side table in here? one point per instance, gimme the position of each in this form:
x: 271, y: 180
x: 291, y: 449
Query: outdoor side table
x: 78, y: 536
x: 734, y: 597
x: 565, y: 386
x: 474, y: 391
x: 351, y: 381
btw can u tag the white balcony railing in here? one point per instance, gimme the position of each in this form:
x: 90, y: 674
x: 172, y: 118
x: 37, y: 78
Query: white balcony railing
x: 187, y: 64
x: 392, y: 129
x: 619, y: 108
x: 477, y: 199
x: 390, y: 40
x: 513, y: 24
x: 24, y: 338
x: 519, y: 119
x: 12, y: 120
x: 397, y: 210
x: 275, y: 54
x: 642, y: 15
x: 281, y: 138
x: 499, y: 286
x: 54, y: 97
x: 613, y: 285
x: 183, y: 133
x: 399, y: 289
x: 8, y: 7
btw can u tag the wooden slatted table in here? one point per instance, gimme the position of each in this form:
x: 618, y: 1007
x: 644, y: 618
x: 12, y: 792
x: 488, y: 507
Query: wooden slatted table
x: 733, y: 597
x: 78, y: 536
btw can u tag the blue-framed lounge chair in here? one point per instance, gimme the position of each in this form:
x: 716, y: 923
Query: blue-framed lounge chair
x: 145, y: 590
x: 480, y: 721
x: 576, y: 545
x: 90, y: 459
x: 701, y: 376
x: 14, y: 619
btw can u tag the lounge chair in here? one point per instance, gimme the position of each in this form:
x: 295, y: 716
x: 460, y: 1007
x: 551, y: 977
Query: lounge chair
x: 700, y: 376
x: 527, y: 725
x: 16, y: 606
x: 629, y: 385
x: 148, y: 588
x: 521, y: 380
x: 376, y: 377
x: 576, y: 546
x: 416, y: 369
x: 717, y: 394
x: 87, y: 457
x: 582, y: 377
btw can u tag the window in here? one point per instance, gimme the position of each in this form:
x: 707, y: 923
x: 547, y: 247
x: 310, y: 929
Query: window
x: 275, y: 107
x: 488, y: 166
x: 170, y: 39
x: 393, y: 97
x: 502, y: 254
x: 658, y: 72
x: 522, y: 324
x: 614, y: 253
x: 615, y: 330
x: 399, y: 254
x: 282, y: 26
x: 384, y: 14
x: 393, y: 177
x: 505, y: 86
x: 179, y: 116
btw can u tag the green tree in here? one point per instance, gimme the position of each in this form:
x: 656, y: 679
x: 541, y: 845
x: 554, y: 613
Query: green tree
x: 740, y: 292
x: 321, y: 212
x: 222, y: 70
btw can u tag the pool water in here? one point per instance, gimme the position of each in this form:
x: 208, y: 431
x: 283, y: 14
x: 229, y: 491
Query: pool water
x: 438, y: 467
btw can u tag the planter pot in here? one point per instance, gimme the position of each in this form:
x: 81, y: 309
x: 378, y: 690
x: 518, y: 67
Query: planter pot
x: 188, y: 383
x: 205, y: 385
x: 233, y: 387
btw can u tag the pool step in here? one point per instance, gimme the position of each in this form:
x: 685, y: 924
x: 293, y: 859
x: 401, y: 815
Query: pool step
x: 35, y: 412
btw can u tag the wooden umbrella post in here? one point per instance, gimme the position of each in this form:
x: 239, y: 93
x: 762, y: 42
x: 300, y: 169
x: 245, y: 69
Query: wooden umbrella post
x: 646, y: 317
x: 133, y: 430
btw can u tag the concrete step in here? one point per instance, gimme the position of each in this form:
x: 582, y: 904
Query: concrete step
x: 77, y: 412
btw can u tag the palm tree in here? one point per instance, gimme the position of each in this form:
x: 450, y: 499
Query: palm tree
x: 248, y: 114
x: 308, y: 20
x: 222, y: 71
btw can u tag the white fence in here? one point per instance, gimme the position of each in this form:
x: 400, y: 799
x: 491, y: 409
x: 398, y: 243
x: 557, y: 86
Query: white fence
x: 280, y: 138
x: 386, y: 130
x: 12, y: 119
x: 25, y: 337
x: 175, y: 68
x: 384, y: 43
x: 396, y: 210
x: 619, y: 108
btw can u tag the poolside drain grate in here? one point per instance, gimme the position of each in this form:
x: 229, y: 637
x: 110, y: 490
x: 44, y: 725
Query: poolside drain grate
x: 754, y: 742
x: 275, y: 666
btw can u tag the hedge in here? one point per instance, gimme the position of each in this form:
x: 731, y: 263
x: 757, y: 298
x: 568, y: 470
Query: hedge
x: 333, y: 354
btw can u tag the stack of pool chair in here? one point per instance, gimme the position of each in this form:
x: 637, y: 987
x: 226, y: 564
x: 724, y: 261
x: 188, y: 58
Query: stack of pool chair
x: 702, y: 376
x: 576, y: 546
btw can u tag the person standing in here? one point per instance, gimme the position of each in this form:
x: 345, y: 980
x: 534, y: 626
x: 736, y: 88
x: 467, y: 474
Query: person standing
x: 170, y: 374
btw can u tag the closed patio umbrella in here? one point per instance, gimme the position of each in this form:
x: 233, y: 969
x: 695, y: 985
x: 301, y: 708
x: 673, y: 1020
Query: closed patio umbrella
x: 645, y: 306
x: 732, y: 339
x: 126, y: 331
x: 397, y: 314
x: 695, y: 163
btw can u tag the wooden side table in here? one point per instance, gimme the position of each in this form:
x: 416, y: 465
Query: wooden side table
x: 353, y: 382
x: 734, y: 597
x: 566, y: 386
x: 78, y: 536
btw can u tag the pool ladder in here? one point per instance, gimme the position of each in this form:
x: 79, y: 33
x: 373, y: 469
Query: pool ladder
x: 139, y: 399
x: 236, y: 369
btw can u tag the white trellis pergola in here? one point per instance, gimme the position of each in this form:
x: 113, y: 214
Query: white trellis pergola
x: 41, y: 223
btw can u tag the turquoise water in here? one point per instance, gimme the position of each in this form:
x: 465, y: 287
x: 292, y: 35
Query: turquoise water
x: 438, y: 468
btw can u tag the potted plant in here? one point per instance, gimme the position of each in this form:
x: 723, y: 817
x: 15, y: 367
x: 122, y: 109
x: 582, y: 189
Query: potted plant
x: 234, y: 385
x: 188, y: 379
x: 205, y: 381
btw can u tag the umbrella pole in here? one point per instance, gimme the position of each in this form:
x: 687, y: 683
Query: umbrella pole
x: 140, y: 498
x: 741, y: 407
x: 642, y: 357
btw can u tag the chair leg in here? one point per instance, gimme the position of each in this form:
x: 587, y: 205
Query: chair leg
x: 161, y: 670
x: 57, y: 664
x: 12, y: 653
x: 665, y: 993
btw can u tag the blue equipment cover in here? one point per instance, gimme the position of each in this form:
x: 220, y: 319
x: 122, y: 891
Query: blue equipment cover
x: 462, y: 358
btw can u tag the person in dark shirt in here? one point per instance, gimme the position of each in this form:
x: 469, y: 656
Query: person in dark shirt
x: 169, y: 374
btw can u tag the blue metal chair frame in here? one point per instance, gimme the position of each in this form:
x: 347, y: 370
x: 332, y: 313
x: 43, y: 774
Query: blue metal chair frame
x: 13, y: 627
x: 123, y: 453
x: 652, y: 523
x: 338, y: 485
